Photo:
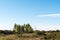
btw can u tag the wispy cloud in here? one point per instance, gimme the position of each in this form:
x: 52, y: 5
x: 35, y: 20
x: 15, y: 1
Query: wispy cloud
x: 49, y: 15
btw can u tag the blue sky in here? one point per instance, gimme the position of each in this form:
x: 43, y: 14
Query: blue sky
x: 41, y: 14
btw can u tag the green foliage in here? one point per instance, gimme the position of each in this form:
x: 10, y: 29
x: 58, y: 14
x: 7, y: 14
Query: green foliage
x: 37, y: 32
x: 17, y: 28
x: 5, y: 32
x: 28, y: 28
x: 22, y: 28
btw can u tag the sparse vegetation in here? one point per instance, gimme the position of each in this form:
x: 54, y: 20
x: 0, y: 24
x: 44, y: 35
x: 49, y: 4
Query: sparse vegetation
x: 26, y: 32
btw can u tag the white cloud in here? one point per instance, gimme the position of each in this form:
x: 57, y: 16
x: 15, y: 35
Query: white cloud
x: 49, y: 15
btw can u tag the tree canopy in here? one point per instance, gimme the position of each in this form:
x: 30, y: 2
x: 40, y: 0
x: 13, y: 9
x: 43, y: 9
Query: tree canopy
x: 23, y: 28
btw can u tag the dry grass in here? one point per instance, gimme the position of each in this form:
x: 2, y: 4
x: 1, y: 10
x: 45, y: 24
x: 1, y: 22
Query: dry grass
x: 17, y: 37
x: 31, y: 36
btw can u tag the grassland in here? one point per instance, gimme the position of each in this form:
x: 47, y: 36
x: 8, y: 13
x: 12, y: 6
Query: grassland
x: 32, y: 36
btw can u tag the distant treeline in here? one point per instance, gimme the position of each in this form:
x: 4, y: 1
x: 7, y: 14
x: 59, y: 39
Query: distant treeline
x: 26, y: 28
x: 6, y: 32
